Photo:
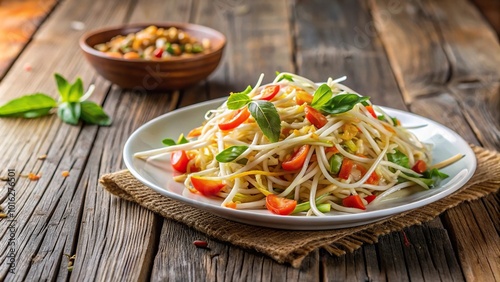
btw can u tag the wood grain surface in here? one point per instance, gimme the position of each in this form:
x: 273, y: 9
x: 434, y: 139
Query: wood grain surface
x: 20, y: 19
x: 438, y: 59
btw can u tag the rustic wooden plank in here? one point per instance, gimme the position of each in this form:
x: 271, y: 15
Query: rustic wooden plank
x: 373, y: 272
x: 466, y: 101
x: 392, y: 260
x: 325, y: 46
x: 443, y: 108
x: 122, y: 230
x: 433, y: 251
x: 49, y: 210
x: 219, y: 262
x: 445, y: 261
x: 480, y: 103
x: 413, y: 46
x: 443, y: 40
x: 470, y: 43
x: 259, y: 41
x: 20, y: 19
x: 491, y: 10
x: 338, y: 39
x: 479, y: 230
x: 351, y: 267
x: 223, y: 262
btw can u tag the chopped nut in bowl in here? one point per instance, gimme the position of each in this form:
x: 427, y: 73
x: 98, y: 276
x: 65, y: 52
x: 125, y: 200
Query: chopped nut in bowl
x: 154, y: 56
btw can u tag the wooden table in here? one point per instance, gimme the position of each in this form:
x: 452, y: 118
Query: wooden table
x: 439, y: 59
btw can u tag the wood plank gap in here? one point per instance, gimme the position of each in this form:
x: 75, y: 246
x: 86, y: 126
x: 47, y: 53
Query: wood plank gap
x: 449, y: 56
x: 192, y: 10
x: 130, y: 11
x: 293, y: 35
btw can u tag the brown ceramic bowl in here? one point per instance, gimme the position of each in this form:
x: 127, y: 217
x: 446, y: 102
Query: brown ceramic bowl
x: 172, y: 73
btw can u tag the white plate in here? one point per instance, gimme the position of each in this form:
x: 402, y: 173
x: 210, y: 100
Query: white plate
x: 157, y: 173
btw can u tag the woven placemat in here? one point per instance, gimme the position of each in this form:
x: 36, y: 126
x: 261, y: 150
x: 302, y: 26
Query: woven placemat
x: 299, y: 244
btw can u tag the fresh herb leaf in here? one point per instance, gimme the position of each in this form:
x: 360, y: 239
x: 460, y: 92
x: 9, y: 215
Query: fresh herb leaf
x: 284, y: 77
x: 93, y: 114
x: 431, y: 178
x: 182, y: 140
x: 435, y: 175
x: 267, y: 117
x: 238, y: 101
x: 75, y: 91
x: 230, y: 154
x: 399, y: 158
x: 71, y: 108
x: 63, y: 87
x: 69, y: 112
x: 29, y: 106
x: 342, y: 103
x: 246, y: 91
x: 321, y: 97
x: 168, y: 142
x: 171, y: 142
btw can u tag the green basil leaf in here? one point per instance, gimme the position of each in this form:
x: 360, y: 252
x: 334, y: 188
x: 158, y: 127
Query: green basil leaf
x: 69, y: 112
x: 321, y: 96
x: 93, y: 114
x: 238, y: 101
x: 230, y: 154
x: 171, y: 142
x: 75, y: 91
x: 63, y: 87
x: 246, y: 91
x: 284, y: 77
x: 182, y: 140
x: 435, y: 175
x: 342, y: 103
x: 267, y: 117
x: 168, y: 142
x: 29, y: 106
x: 399, y: 158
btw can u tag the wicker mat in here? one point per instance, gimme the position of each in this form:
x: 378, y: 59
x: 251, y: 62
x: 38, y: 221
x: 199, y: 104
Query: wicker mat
x: 299, y: 244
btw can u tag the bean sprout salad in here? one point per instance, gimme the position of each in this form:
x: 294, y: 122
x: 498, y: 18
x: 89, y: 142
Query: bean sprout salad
x: 300, y: 148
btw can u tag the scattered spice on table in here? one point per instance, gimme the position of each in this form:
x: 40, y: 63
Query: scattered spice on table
x: 201, y: 244
x: 28, y: 67
x: 71, y: 261
x: 33, y: 177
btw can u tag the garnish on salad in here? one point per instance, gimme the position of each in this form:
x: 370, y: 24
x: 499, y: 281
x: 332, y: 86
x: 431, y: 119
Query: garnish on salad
x: 296, y: 147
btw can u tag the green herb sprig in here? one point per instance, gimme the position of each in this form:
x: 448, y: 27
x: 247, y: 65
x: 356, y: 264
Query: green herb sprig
x: 170, y: 142
x: 264, y: 113
x: 324, y: 101
x: 71, y: 107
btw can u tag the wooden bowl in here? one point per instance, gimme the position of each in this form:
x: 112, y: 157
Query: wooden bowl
x: 141, y: 74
